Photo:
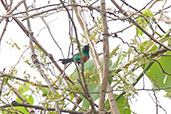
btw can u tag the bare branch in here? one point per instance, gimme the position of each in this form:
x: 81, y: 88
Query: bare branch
x: 104, y: 81
x: 141, y: 28
x: 36, y: 62
x: 85, y: 88
x: 4, y: 29
x: 12, y: 10
x: 15, y: 104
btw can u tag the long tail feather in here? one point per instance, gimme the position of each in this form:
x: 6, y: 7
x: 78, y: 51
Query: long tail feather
x: 65, y: 61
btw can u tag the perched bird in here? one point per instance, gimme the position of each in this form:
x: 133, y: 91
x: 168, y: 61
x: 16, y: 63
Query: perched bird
x: 77, y: 57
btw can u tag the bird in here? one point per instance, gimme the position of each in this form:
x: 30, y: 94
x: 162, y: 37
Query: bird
x: 77, y: 57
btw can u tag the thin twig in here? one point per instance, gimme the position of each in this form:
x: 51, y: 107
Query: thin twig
x: 85, y: 88
x: 12, y: 10
x: 15, y: 104
x: 47, y: 26
x: 140, y: 27
x: 4, y: 29
x: 36, y: 62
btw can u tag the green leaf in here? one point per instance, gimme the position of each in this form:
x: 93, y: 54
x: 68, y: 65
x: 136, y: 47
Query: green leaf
x: 7, y: 111
x: 29, y: 99
x: 22, y: 109
x: 157, y: 76
x: 123, y: 105
x: 139, y: 31
x: 169, y: 41
x: 147, y: 13
x: 95, y: 96
x: 92, y: 78
x: 114, y: 52
x: 89, y: 65
x: 143, y: 23
x: 23, y: 88
x: 88, y: 72
x: 159, y: 0
x: 94, y: 88
x: 44, y: 90
x: 147, y: 45
x: 85, y: 103
x: 116, y: 63
x: 107, y: 105
x: 72, y: 96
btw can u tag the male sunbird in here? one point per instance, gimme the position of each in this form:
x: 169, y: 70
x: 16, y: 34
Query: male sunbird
x: 77, y: 57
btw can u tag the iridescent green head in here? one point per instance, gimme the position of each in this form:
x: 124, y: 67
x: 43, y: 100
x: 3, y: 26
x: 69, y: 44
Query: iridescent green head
x: 86, y: 49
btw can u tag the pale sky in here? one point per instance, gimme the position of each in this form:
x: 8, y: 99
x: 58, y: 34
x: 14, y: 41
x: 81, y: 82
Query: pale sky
x: 141, y: 104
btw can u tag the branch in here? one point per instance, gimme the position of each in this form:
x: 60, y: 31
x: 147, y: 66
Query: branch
x: 36, y: 61
x: 4, y: 29
x: 48, y: 28
x: 93, y: 52
x: 20, y: 97
x: 157, y: 103
x: 120, y: 90
x: 15, y: 103
x: 141, y: 28
x: 104, y: 80
x: 86, y: 32
x: 41, y: 47
x: 24, y: 80
x: 139, y: 77
x: 85, y: 87
x: 12, y: 10
x: 142, y: 55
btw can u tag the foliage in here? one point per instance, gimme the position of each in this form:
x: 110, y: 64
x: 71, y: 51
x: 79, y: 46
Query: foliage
x: 139, y: 45
x: 92, y: 78
x: 157, y: 75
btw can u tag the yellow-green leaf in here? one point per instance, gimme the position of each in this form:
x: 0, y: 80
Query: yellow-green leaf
x: 147, y: 13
